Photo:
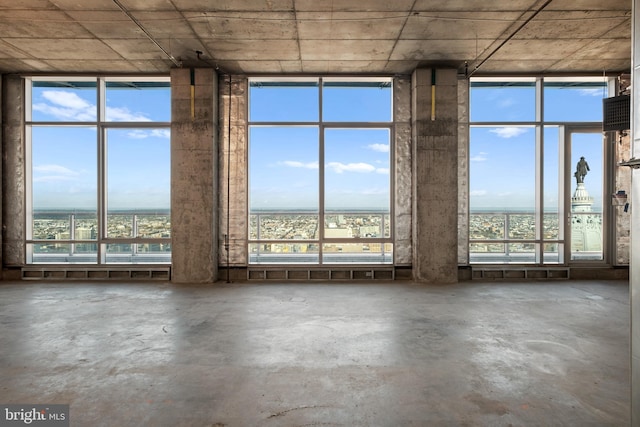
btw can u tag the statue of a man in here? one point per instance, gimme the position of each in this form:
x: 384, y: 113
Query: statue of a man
x: 581, y: 170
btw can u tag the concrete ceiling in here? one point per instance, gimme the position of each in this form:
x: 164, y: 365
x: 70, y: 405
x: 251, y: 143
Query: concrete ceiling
x: 315, y: 36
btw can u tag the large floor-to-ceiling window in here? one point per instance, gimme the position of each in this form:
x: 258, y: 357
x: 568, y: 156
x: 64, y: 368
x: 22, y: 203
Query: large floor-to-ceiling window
x: 98, y: 170
x: 538, y: 170
x: 320, y: 187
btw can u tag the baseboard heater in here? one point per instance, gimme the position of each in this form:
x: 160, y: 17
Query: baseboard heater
x: 130, y: 273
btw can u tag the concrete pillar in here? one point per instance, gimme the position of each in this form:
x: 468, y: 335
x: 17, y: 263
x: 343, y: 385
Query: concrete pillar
x: 463, y: 171
x: 194, y: 162
x: 233, y: 149
x: 634, y: 263
x: 402, y: 158
x: 13, y: 167
x: 435, y: 176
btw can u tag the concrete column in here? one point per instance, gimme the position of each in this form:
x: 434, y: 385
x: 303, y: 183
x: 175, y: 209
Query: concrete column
x: 13, y: 167
x: 402, y: 158
x: 233, y: 149
x: 634, y: 262
x: 194, y: 162
x: 463, y: 171
x: 435, y: 176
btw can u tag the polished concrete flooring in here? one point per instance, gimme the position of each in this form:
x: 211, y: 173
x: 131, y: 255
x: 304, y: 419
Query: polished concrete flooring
x: 316, y: 354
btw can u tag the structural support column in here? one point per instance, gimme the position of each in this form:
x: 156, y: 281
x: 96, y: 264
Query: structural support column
x: 194, y: 199
x: 435, y: 175
x: 634, y: 262
x: 13, y: 179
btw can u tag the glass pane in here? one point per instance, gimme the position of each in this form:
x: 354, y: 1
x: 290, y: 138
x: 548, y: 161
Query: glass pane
x: 551, y: 218
x: 293, y: 101
x: 62, y: 253
x: 502, y: 169
x: 587, y: 196
x: 522, y: 226
x: 487, y: 252
x: 283, y: 253
x: 138, y: 183
x: 64, y: 181
x: 508, y: 101
x: 487, y: 226
x: 138, y: 101
x: 576, y: 101
x: 553, y: 253
x: 283, y: 169
x: 357, y: 253
x: 64, y: 101
x: 360, y: 225
x: 345, y: 101
x: 153, y: 225
x: 357, y: 171
x: 145, y: 253
x: 274, y: 226
x: 51, y: 225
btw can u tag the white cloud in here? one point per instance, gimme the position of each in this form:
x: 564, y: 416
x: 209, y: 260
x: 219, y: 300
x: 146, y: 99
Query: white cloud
x: 506, y: 103
x: 480, y: 157
x: 145, y: 133
x: 382, y: 148
x: 508, y: 132
x: 599, y: 92
x: 296, y: 164
x: 68, y: 106
x: 478, y: 193
x: 351, y: 167
x: 124, y: 115
x: 51, y: 173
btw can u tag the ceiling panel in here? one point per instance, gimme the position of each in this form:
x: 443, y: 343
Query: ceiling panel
x: 315, y: 36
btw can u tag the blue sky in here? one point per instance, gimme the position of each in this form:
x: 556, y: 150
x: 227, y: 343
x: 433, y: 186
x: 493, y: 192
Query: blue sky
x: 502, y: 158
x: 284, y: 162
x: 64, y: 165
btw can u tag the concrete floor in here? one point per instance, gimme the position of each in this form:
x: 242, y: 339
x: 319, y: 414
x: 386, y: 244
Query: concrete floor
x: 392, y: 354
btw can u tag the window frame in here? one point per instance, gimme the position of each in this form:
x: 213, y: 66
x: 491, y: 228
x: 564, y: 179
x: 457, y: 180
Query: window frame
x: 387, y: 243
x: 541, y: 125
x: 101, y: 126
